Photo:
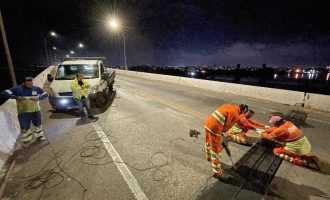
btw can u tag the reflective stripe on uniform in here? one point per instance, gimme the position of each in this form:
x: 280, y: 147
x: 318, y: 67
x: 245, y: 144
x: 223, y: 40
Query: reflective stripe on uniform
x: 285, y: 157
x: 238, y: 139
x: 43, y: 94
x: 207, y: 148
x: 26, y: 136
x: 219, y: 117
x: 9, y: 92
x: 215, y: 155
x: 216, y: 166
x: 209, y: 130
x: 39, y: 132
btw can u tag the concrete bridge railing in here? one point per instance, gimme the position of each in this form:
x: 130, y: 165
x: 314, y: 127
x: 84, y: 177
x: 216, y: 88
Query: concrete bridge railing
x: 310, y: 100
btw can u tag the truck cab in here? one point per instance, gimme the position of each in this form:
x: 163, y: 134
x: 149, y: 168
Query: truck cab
x: 101, y: 81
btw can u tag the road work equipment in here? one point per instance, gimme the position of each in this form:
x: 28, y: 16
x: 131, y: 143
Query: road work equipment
x: 226, y: 146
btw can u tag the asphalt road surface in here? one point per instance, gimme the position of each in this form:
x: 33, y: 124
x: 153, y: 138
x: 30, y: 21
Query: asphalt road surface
x: 140, y: 148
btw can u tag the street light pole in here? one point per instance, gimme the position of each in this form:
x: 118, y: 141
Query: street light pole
x: 5, y: 43
x: 125, y: 53
x: 116, y: 26
x: 45, y: 41
x: 53, y: 34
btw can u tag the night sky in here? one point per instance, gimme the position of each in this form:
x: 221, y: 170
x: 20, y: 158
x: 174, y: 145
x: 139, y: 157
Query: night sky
x: 166, y: 32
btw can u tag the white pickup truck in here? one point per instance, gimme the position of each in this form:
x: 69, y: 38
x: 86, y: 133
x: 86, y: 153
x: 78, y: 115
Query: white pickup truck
x: 101, y: 81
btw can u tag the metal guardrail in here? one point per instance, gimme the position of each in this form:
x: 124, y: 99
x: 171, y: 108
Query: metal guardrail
x: 82, y: 58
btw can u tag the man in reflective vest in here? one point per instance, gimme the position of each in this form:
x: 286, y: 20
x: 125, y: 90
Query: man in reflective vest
x: 80, y: 92
x: 215, y: 126
x: 237, y: 133
x: 295, y: 147
x: 27, y: 98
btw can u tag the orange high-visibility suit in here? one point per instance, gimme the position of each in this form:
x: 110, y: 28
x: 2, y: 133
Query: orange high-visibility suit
x: 295, y: 146
x: 237, y: 132
x: 220, y: 121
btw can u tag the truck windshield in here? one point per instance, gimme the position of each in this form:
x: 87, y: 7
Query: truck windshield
x: 68, y: 72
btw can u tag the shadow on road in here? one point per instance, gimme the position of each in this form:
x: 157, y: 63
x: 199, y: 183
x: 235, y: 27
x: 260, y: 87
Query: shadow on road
x: 23, y: 153
x: 246, y: 190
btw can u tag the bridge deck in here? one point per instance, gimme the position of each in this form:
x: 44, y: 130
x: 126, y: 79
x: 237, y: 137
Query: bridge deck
x: 141, y: 147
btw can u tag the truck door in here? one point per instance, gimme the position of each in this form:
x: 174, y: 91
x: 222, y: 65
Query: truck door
x: 103, y: 83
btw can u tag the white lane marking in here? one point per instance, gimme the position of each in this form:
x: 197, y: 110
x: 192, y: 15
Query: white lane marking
x: 318, y: 120
x: 125, y: 172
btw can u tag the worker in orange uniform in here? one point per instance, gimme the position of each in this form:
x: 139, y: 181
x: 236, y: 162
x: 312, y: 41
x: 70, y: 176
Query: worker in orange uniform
x: 237, y: 133
x: 215, y: 125
x: 295, y: 147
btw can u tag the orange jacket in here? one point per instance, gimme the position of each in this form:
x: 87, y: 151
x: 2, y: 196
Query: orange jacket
x: 286, y: 132
x: 247, y: 124
x: 222, y: 119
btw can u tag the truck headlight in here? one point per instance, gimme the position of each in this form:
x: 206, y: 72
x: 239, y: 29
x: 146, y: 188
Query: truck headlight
x: 64, y: 101
x: 94, y: 89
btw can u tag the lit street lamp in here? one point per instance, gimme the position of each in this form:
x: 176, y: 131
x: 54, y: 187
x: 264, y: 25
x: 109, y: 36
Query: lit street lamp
x: 82, y: 46
x: 67, y: 55
x: 71, y: 52
x: 116, y: 26
x: 54, y: 52
x: 52, y: 34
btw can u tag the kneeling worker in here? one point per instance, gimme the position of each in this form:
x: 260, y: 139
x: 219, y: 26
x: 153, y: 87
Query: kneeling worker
x: 80, y: 91
x: 27, y: 98
x: 295, y: 146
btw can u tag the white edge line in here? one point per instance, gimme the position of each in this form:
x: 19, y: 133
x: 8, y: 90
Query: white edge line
x: 318, y: 120
x: 125, y: 172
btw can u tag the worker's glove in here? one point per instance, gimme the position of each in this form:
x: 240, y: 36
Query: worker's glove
x: 267, y: 126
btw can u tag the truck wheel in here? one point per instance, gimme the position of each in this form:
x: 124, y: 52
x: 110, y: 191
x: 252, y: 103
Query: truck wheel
x: 110, y: 88
x: 101, y: 100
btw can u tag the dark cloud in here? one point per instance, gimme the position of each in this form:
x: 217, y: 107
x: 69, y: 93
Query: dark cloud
x: 168, y: 32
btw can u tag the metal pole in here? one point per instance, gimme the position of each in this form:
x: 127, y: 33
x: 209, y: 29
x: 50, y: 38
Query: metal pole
x: 125, y: 52
x: 5, y: 44
x: 45, y: 40
x: 86, y: 52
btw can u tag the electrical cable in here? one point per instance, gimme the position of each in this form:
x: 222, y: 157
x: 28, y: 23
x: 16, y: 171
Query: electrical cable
x: 52, y: 174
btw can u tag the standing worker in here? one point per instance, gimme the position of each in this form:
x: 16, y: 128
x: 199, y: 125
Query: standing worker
x: 27, y: 98
x: 80, y: 91
x: 215, y: 125
x: 237, y: 133
x: 294, y: 145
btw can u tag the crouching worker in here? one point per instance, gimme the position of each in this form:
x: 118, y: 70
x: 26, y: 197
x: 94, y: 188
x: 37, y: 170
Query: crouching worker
x: 237, y: 133
x: 27, y: 98
x: 215, y: 125
x: 295, y: 147
x: 80, y: 92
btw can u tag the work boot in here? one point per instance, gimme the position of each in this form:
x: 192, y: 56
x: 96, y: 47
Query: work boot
x: 93, y: 119
x: 39, y: 133
x: 312, y: 163
x: 26, y: 136
x: 249, y: 141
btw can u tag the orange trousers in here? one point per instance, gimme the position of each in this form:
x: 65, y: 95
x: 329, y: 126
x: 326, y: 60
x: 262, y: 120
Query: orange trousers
x: 213, y: 150
x: 302, y: 160
x: 239, y: 138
